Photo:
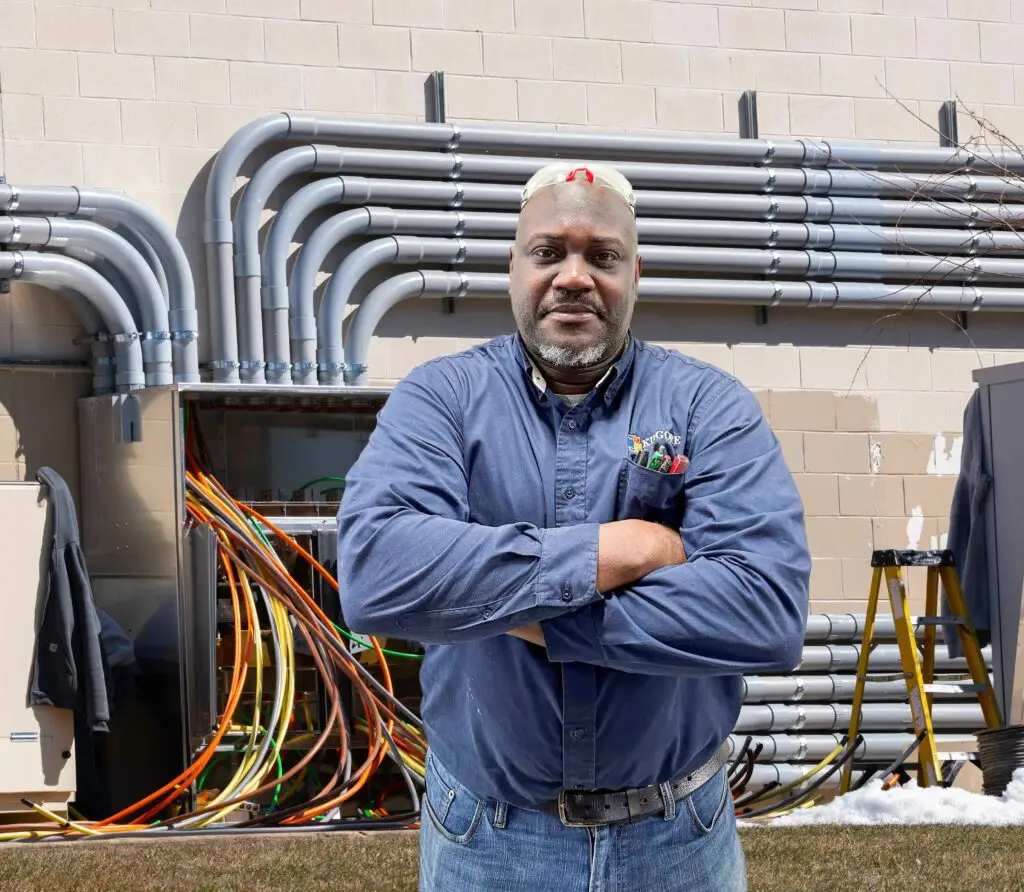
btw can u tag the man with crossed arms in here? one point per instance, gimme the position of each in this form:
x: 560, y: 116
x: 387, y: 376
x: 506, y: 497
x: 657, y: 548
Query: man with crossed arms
x: 521, y: 509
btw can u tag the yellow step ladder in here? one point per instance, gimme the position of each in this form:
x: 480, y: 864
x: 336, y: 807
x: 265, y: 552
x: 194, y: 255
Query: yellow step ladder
x: 919, y: 670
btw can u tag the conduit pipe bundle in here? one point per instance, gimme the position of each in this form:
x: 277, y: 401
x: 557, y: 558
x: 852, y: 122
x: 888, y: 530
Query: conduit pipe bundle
x: 838, y: 225
x: 133, y: 282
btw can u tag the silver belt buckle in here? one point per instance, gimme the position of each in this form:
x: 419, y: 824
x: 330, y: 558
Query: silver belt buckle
x: 563, y: 817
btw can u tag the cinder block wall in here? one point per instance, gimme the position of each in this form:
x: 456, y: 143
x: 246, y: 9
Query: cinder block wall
x: 138, y: 95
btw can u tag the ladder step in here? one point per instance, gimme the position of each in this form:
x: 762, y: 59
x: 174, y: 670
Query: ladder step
x: 955, y: 688
x: 941, y: 621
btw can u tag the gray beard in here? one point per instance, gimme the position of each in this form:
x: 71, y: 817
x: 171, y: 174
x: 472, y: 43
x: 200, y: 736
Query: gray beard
x: 561, y: 357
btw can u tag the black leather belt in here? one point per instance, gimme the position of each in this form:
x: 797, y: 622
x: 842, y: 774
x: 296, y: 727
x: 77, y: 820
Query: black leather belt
x: 581, y: 808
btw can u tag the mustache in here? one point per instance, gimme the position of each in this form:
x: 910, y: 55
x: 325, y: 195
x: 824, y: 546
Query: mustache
x: 568, y: 301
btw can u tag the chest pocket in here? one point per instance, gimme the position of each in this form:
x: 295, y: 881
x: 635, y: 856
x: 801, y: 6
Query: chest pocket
x: 645, y: 494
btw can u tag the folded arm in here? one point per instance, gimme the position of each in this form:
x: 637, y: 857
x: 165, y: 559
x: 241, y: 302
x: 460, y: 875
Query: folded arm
x: 739, y: 603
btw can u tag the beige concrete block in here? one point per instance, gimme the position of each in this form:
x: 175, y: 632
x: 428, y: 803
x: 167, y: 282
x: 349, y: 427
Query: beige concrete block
x: 819, y: 493
x: 227, y: 37
x: 587, y: 61
x: 833, y: 368
x: 46, y: 340
x: 1003, y: 124
x: 800, y: 5
x: 76, y: 28
x: 887, y: 119
x: 862, y: 6
x: 949, y: 40
x: 490, y: 17
x: 752, y: 29
x: 181, y: 167
x: 22, y: 71
x: 541, y: 17
x: 409, y: 13
x: 619, y: 105
x: 803, y: 410
x: 617, y: 19
x: 843, y: 76
x: 1002, y: 43
x: 210, y: 6
x: 339, y: 90
x: 788, y: 73
x: 895, y: 368
x: 33, y: 305
x: 821, y: 116
x: 763, y: 398
x: 888, y: 36
x: 767, y: 366
x: 22, y: 116
x: 515, y: 55
x: 717, y: 355
x: 655, y: 65
x: 131, y: 168
x: 792, y: 444
x: 259, y: 84
x: 982, y: 82
x: 367, y: 46
x: 216, y: 123
x: 857, y: 573
x: 902, y: 453
x: 302, y: 43
x: 836, y: 453
x: 817, y: 32
x: 931, y: 494
x: 953, y: 369
x: 917, y: 79
x: 854, y: 606
x: 694, y: 111
x: 350, y: 11
x: 38, y: 163
x: 145, y: 33
x: 193, y: 80
x: 481, y: 98
x: 979, y: 10
x: 920, y: 412
x: 455, y: 52
x: 839, y: 537
x: 545, y: 102
x: 81, y: 120
x: 19, y: 23
x: 685, y: 24
x: 268, y: 9
x: 871, y: 495
x: 856, y: 412
x: 116, y: 76
x: 723, y: 69
x: 399, y: 93
x: 772, y: 114
x: 932, y: 8
x: 159, y: 123
x: 1017, y: 10
x: 896, y: 532
x: 826, y: 578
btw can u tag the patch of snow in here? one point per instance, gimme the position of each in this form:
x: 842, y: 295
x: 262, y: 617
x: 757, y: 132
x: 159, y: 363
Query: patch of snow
x: 943, y: 460
x: 911, y: 804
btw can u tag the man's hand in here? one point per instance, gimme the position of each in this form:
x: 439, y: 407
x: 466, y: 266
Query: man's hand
x: 534, y: 634
x: 630, y: 549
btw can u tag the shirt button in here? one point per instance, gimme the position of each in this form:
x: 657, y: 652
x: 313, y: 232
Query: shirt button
x: 566, y: 593
x: 572, y: 424
x: 577, y: 733
x: 570, y: 493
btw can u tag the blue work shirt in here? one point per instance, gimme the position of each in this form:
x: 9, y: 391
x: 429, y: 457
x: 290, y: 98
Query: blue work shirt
x: 474, y: 509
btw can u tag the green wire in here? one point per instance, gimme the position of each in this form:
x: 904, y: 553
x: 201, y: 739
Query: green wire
x: 340, y: 480
x: 238, y: 746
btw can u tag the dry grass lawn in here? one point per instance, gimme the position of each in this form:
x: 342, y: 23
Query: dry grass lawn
x: 819, y: 859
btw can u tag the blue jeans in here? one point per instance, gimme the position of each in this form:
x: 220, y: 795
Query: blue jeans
x: 472, y: 845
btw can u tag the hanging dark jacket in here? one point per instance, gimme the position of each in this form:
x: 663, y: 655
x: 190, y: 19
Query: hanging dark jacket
x: 70, y: 670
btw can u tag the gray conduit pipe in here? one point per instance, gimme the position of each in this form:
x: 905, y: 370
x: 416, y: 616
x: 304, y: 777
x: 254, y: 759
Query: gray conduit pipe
x: 789, y: 773
x: 844, y: 295
x: 293, y: 312
x: 836, y: 716
x: 876, y: 747
x: 380, y: 252
x: 827, y: 688
x: 142, y: 290
x: 53, y: 270
x: 114, y: 210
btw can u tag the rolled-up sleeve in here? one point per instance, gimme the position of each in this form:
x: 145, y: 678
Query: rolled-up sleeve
x: 739, y: 604
x: 412, y: 564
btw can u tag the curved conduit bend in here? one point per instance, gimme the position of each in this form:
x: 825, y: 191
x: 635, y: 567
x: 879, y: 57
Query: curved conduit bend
x: 55, y: 271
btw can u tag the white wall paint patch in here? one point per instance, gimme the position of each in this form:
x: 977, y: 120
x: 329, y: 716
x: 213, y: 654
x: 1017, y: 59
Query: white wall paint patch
x: 945, y: 460
x: 915, y: 527
x: 876, y: 457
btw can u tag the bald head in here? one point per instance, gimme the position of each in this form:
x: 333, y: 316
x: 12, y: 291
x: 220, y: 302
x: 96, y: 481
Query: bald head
x: 574, y: 272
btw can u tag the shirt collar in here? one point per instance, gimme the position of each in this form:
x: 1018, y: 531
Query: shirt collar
x: 607, y: 387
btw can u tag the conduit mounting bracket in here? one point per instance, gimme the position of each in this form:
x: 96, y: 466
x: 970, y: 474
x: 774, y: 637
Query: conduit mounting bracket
x: 949, y: 126
x: 748, y: 114
x: 433, y: 90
